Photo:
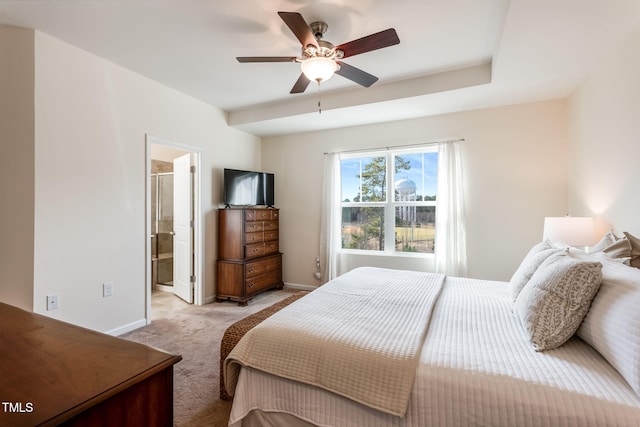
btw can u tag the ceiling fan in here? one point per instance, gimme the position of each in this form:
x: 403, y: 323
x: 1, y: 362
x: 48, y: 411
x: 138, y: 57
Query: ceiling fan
x: 320, y: 59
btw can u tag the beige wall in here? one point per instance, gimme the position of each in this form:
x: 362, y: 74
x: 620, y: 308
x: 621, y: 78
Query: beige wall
x: 81, y: 177
x: 91, y: 120
x: 515, y: 165
x: 604, y: 153
x: 16, y: 166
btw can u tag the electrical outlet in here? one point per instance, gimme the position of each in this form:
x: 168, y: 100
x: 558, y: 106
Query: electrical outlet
x: 107, y: 289
x: 52, y: 302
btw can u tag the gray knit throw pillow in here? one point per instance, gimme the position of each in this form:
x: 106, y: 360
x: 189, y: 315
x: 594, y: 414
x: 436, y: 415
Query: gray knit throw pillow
x: 553, y: 303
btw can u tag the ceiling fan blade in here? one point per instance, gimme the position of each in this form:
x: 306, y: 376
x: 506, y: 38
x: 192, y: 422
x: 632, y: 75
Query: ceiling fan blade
x: 371, y: 42
x: 299, y: 27
x: 266, y: 58
x: 356, y: 74
x: 301, y: 84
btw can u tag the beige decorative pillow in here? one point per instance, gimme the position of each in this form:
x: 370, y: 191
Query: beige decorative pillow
x: 615, y: 247
x: 635, y: 250
x: 605, y: 241
x: 553, y: 303
x: 620, y: 249
x: 537, y: 254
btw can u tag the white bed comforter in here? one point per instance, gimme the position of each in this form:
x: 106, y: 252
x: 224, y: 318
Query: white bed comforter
x: 359, y: 336
x: 475, y: 369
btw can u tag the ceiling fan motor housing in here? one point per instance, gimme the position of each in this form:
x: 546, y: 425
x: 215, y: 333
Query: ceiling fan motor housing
x: 324, y: 49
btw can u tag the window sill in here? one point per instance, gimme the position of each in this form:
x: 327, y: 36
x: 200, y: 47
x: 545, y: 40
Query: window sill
x: 351, y: 258
x: 386, y: 254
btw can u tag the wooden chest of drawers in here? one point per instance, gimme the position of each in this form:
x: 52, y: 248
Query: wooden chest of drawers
x: 249, y: 260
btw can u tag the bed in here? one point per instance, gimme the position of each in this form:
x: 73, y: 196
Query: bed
x: 477, y: 361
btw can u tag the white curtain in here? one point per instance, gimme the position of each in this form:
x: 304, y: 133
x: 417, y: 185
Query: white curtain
x: 330, y: 239
x: 450, y: 245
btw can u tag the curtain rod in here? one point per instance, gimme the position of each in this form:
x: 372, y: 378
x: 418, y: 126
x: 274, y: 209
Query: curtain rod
x: 421, y: 144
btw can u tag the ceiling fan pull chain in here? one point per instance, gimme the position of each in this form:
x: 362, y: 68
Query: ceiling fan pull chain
x: 319, y: 99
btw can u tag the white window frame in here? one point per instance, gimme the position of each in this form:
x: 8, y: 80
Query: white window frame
x: 390, y: 204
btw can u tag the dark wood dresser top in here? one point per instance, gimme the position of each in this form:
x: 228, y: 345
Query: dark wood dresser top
x: 55, y: 370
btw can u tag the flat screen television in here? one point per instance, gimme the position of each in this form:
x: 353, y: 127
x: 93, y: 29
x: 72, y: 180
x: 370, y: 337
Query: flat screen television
x: 248, y: 188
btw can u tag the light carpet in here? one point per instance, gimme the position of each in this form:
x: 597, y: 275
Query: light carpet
x: 195, y: 333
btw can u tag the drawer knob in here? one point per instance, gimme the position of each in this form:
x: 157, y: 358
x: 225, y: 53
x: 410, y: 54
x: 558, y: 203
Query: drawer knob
x: 255, y: 249
x: 250, y: 285
x: 250, y: 269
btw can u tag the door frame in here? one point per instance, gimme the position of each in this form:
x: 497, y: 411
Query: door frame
x: 198, y: 219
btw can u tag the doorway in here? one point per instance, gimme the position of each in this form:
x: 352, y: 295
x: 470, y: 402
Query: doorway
x: 161, y: 225
x: 173, y: 254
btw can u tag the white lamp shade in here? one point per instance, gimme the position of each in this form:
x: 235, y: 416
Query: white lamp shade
x: 574, y: 231
x: 319, y: 68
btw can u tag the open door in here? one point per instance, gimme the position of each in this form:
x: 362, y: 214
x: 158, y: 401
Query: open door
x: 182, y: 228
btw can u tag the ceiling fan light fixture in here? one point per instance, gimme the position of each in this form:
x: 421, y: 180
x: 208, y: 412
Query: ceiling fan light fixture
x: 319, y: 68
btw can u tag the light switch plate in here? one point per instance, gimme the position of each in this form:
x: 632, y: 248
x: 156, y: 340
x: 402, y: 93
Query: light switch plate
x: 107, y: 289
x: 52, y: 302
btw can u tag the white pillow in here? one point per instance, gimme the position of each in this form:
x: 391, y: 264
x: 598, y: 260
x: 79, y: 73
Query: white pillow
x: 536, y: 256
x: 612, y: 325
x: 553, y: 303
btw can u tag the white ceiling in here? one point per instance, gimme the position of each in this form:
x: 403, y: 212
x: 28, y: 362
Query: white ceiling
x: 453, y: 55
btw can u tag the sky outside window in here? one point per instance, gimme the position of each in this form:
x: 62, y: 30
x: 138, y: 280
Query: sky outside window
x: 423, y: 172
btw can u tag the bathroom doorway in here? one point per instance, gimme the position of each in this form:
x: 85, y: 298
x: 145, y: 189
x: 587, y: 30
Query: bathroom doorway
x: 173, y: 255
x: 162, y: 225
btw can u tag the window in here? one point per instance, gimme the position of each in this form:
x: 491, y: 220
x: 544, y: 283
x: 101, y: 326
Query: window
x: 389, y: 190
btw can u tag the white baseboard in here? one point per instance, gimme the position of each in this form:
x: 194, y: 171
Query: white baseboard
x: 300, y: 287
x: 163, y: 288
x: 143, y: 322
x: 127, y: 328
